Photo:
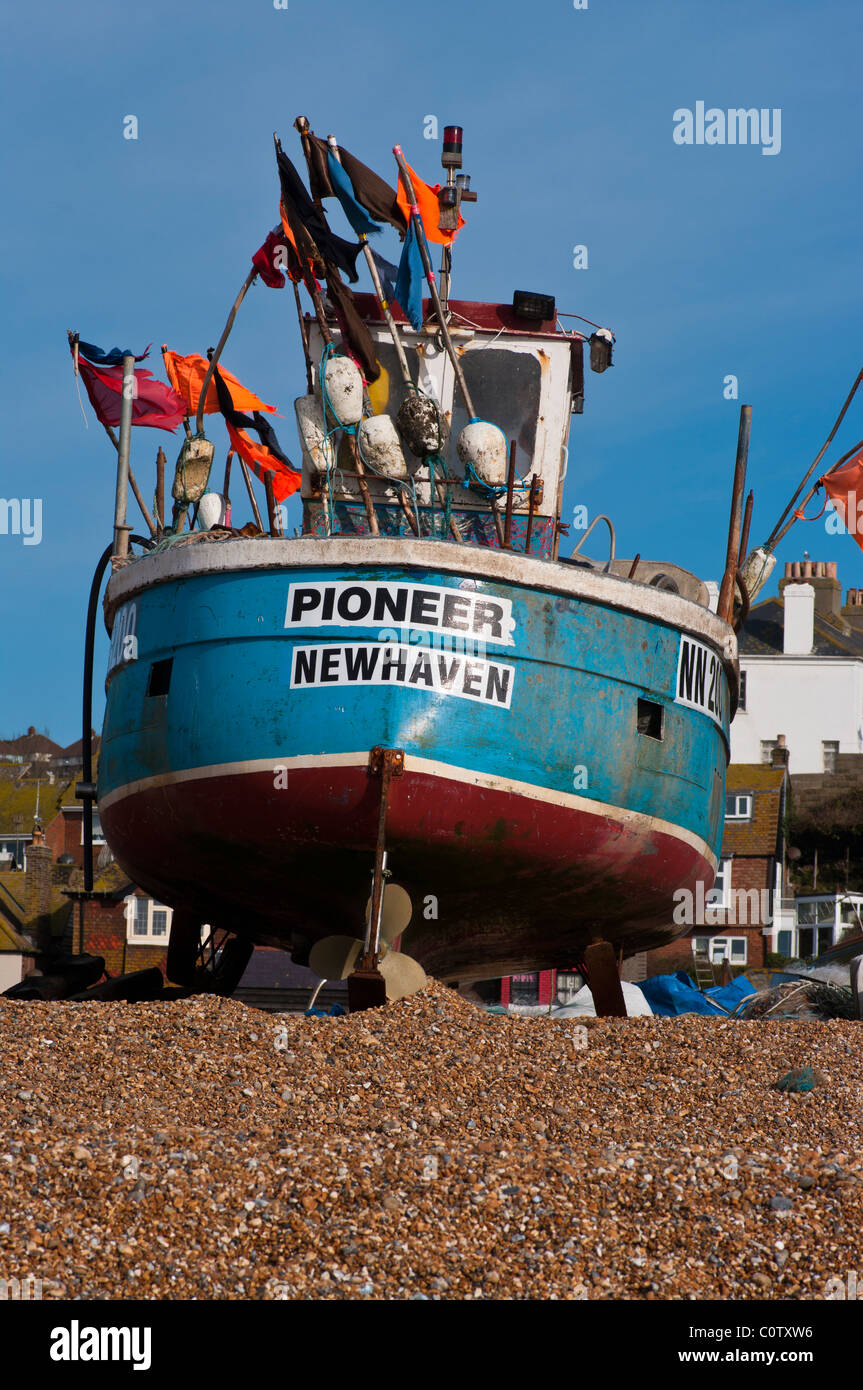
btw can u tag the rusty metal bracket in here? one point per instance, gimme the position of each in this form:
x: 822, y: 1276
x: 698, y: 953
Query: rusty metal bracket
x: 392, y: 758
x: 366, y: 986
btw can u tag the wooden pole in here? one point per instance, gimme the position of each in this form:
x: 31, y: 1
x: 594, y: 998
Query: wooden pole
x: 510, y: 489
x: 744, y: 535
x: 208, y: 376
x: 272, y: 513
x: 776, y: 535
x: 249, y: 489
x: 430, y: 277
x: 531, y: 512
x: 160, y: 486
x: 121, y: 530
x: 304, y: 334
x: 725, y: 606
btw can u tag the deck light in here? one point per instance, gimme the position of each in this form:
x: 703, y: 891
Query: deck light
x: 601, y: 344
x: 539, y: 307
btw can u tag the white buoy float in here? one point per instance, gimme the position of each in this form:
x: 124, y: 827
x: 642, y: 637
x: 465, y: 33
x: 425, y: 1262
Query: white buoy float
x: 380, y: 447
x: 213, y: 511
x: 310, y: 423
x: 483, y: 446
x: 344, y: 384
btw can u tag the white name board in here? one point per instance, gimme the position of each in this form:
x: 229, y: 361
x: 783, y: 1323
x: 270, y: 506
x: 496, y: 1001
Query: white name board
x: 396, y: 663
x: 701, y: 681
x: 419, y: 607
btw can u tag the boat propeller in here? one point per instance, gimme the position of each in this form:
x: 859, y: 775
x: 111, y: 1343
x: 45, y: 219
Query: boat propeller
x: 336, y: 957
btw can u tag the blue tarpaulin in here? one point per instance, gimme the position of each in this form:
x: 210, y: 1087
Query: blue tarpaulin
x: 669, y: 995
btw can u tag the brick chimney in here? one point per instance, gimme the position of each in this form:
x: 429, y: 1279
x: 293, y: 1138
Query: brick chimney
x: 821, y: 574
x: 798, y: 602
x: 852, y: 610
x: 779, y: 755
x: 38, y: 888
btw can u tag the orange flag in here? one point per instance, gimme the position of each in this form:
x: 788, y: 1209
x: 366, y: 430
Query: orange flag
x: 844, y: 487
x: 186, y: 375
x: 427, y: 203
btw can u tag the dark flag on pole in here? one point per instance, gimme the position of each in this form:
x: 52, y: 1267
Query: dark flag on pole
x: 153, y: 403
x: 299, y: 208
x: 387, y: 272
x: 265, y: 457
x: 370, y: 190
x: 356, y: 336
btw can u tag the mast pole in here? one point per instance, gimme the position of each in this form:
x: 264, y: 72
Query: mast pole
x: 217, y: 352
x: 121, y: 529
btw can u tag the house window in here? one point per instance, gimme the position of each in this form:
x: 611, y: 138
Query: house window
x: 569, y: 982
x: 98, y: 833
x: 524, y: 989
x: 721, y: 948
x: 829, y: 754
x: 148, y: 923
x: 738, y: 807
x: 741, y: 703
x: 767, y: 746
x: 719, y: 893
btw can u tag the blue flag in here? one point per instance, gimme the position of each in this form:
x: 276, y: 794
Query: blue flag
x: 388, y: 272
x: 344, y: 191
x: 409, y: 285
x: 108, y: 359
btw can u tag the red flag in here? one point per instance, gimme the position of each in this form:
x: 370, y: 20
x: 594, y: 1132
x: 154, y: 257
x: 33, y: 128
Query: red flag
x: 844, y: 487
x: 275, y: 256
x: 153, y: 402
x: 262, y: 461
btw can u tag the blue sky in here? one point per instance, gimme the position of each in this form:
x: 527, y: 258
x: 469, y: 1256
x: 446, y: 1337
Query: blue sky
x: 704, y: 260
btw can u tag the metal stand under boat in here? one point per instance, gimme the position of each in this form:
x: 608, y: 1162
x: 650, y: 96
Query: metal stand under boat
x: 375, y: 973
x: 205, y: 959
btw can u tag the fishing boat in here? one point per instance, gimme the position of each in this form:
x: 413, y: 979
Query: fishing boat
x: 419, y: 687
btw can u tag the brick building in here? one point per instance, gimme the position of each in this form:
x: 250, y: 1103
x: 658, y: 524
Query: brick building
x: 736, y: 921
x: 119, y: 922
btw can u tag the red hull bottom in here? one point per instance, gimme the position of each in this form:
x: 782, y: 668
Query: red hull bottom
x: 500, y: 881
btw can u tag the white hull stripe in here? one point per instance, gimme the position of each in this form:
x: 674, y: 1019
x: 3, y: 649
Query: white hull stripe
x: 634, y: 820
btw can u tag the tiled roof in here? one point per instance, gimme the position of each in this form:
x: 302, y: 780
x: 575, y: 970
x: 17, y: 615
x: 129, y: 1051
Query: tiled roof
x: 762, y: 633
x: 11, y: 940
x: 759, y: 835
x: 18, y: 800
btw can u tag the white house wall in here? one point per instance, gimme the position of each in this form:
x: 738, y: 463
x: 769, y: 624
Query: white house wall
x: 809, y: 699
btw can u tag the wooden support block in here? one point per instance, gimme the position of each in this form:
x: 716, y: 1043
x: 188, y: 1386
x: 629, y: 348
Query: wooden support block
x: 604, y: 981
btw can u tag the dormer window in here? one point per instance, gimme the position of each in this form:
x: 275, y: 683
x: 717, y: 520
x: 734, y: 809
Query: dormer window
x: 738, y: 807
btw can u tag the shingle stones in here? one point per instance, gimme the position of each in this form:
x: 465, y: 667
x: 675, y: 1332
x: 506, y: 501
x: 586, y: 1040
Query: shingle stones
x: 202, y: 1149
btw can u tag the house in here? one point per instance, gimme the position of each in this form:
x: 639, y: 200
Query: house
x: 118, y: 922
x: 801, y: 668
x: 740, y: 919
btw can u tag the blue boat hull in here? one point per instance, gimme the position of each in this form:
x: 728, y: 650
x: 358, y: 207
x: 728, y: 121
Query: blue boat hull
x: 537, y: 808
